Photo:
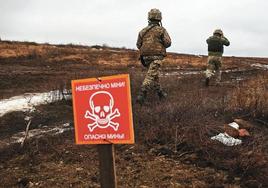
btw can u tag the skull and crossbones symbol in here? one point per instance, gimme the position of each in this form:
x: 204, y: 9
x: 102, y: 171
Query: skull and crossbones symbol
x: 101, y: 104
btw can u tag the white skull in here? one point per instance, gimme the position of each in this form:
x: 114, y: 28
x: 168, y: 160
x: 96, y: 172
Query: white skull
x: 101, y: 104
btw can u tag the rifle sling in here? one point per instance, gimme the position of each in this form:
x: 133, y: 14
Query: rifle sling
x: 147, y: 31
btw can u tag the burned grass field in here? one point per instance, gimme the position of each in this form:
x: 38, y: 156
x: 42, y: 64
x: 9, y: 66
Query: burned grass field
x: 173, y: 146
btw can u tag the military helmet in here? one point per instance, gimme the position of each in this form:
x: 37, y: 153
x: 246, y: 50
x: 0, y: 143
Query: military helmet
x: 218, y: 31
x: 155, y: 14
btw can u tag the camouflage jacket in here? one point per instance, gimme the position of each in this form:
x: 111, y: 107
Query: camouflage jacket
x: 215, y: 45
x: 153, y: 42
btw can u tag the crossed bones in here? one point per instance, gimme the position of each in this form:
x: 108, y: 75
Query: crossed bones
x: 96, y: 118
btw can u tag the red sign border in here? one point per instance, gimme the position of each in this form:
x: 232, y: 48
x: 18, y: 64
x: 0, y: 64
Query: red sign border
x: 129, y: 141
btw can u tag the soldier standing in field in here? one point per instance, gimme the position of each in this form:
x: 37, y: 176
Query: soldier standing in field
x: 215, y: 51
x: 152, y: 43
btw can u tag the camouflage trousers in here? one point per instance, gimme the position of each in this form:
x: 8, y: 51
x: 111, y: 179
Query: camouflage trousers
x: 151, y: 81
x: 213, y: 68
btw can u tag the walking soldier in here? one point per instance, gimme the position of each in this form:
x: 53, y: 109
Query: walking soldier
x: 152, y: 43
x: 215, y: 51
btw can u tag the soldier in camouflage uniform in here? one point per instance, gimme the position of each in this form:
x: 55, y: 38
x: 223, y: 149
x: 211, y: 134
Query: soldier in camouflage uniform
x: 215, y: 51
x: 152, y: 43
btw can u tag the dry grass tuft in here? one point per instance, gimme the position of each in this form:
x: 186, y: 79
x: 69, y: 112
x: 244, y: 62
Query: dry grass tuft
x: 251, y: 97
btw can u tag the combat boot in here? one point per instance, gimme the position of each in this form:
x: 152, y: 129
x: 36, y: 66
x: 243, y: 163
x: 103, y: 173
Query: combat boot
x: 218, y: 77
x: 141, y: 97
x: 207, y: 81
x: 161, y: 94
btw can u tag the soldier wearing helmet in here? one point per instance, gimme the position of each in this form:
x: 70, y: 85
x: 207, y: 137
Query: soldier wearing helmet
x: 216, y: 45
x: 152, y: 43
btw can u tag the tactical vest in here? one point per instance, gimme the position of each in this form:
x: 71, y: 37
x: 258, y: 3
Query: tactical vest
x: 215, y: 45
x: 152, y: 44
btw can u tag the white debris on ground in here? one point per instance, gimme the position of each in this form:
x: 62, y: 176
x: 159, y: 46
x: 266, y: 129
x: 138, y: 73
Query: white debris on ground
x: 226, y: 139
x: 27, y: 101
x: 234, y: 125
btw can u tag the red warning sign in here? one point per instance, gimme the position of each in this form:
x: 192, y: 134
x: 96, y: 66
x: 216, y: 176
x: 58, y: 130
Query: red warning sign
x: 102, y: 110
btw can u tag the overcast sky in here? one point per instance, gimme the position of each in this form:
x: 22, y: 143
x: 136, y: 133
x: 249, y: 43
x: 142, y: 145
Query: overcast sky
x: 117, y: 22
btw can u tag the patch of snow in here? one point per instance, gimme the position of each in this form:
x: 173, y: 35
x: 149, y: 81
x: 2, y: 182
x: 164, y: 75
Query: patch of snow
x: 195, y: 72
x: 259, y: 65
x: 27, y: 101
x: 37, y: 133
x: 66, y: 125
x: 235, y: 70
x: 176, y: 73
x: 240, y: 79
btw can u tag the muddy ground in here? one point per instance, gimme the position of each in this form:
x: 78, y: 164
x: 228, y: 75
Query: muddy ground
x: 173, y: 146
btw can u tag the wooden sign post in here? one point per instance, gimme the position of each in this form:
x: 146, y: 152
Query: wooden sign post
x: 107, y: 166
x: 103, y: 115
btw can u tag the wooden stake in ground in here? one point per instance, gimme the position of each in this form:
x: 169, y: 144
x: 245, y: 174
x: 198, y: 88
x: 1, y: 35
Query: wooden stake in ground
x: 107, y: 166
